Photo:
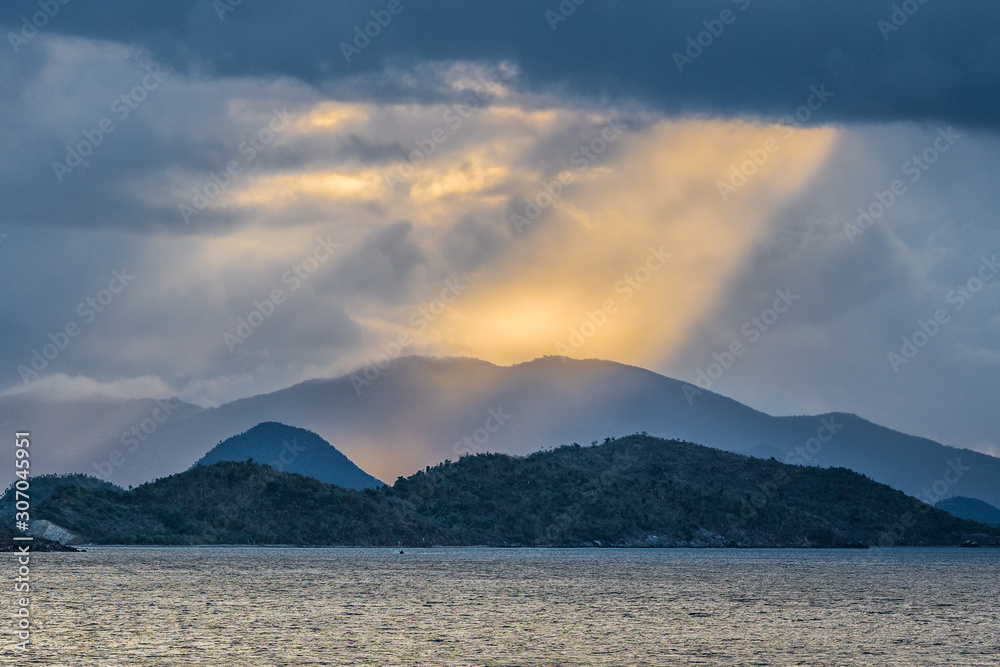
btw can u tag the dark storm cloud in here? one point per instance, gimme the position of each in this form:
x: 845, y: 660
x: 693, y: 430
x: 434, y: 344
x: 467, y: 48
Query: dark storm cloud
x: 364, y: 150
x: 940, y: 61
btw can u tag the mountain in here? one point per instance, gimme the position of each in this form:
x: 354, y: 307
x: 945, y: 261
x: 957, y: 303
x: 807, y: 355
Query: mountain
x: 290, y: 449
x: 418, y: 412
x: 637, y: 491
x: 971, y: 509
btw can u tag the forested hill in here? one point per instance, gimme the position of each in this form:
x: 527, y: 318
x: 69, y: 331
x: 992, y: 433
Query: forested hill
x: 292, y: 450
x: 633, y: 491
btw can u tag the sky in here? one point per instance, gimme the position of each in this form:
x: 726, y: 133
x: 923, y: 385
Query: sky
x: 789, y: 203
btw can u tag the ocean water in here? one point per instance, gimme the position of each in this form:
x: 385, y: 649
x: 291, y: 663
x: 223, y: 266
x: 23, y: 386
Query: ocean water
x: 113, y: 607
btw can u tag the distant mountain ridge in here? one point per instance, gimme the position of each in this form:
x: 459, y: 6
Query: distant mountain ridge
x: 295, y: 450
x: 418, y: 412
x: 971, y: 509
x: 636, y: 491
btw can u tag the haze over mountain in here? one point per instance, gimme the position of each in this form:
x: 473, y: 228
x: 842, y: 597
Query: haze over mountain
x: 295, y: 450
x: 421, y: 411
x: 80, y: 434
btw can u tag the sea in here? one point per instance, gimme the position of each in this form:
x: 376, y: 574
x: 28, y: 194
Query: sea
x: 247, y: 606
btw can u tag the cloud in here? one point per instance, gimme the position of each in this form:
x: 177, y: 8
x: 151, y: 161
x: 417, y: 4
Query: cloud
x: 62, y: 388
x: 383, y: 266
x: 859, y: 300
x: 658, y: 192
x: 936, y: 61
x: 643, y: 191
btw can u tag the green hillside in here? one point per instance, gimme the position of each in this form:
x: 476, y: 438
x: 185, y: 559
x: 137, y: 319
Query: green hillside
x: 633, y: 491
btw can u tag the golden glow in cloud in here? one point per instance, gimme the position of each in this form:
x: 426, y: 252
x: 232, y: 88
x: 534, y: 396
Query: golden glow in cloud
x: 272, y: 191
x: 586, y: 280
x: 331, y: 116
x: 588, y: 277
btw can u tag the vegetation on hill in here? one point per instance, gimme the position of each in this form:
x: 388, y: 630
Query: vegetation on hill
x: 234, y: 503
x: 633, y: 491
x: 643, y: 491
x: 41, y: 488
